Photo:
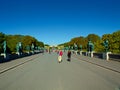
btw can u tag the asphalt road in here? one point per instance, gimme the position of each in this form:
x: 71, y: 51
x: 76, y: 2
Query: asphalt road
x: 45, y: 73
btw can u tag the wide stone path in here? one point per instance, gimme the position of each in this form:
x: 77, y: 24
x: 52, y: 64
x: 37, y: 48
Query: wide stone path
x: 43, y: 72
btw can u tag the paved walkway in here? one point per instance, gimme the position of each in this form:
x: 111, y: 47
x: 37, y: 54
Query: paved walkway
x: 43, y: 72
x: 14, y: 63
x: 113, y: 65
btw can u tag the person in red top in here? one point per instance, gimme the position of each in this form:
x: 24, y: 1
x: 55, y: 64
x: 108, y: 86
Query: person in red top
x: 60, y: 56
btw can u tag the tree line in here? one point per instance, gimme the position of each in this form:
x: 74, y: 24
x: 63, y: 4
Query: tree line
x: 12, y: 41
x: 113, y: 39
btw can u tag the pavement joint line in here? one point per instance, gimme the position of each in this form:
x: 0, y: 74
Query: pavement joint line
x: 12, y: 67
x: 108, y: 68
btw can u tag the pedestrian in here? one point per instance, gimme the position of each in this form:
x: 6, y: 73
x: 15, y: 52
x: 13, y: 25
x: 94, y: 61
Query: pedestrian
x: 57, y: 52
x: 69, y: 55
x: 60, y: 56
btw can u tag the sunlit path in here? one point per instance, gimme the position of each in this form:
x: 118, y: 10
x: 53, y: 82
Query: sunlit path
x: 45, y: 73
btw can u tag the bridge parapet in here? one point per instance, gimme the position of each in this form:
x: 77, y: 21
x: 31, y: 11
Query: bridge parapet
x: 106, y: 56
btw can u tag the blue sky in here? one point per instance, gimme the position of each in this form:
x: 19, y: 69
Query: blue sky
x: 57, y: 21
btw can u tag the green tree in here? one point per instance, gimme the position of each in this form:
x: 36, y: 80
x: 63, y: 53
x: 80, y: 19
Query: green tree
x: 114, y: 41
x: 2, y: 38
x: 79, y: 41
x: 115, y: 47
x: 109, y: 38
x: 93, y: 37
x: 12, y: 41
x: 28, y: 40
x: 99, y: 46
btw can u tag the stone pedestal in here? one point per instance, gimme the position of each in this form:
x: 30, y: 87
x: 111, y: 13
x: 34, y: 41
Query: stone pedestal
x: 32, y: 52
x: 91, y: 54
x: 80, y: 52
x: 6, y: 56
x: 106, y: 56
x: 28, y: 52
x: 18, y: 53
x: 86, y: 54
x: 75, y: 52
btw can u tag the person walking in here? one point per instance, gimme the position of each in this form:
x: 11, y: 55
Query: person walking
x: 69, y: 55
x: 60, y: 54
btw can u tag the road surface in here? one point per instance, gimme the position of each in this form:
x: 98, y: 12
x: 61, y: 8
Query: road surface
x: 45, y: 73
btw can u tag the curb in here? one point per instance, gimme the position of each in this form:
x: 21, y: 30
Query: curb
x: 12, y: 67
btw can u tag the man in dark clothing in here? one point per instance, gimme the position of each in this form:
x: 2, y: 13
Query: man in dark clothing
x: 69, y: 55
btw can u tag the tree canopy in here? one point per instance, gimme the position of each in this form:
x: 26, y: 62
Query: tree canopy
x: 113, y: 39
x: 2, y: 38
x: 12, y: 41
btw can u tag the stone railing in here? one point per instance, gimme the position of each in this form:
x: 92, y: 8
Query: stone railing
x: 106, y: 56
x: 9, y: 57
x: 114, y: 57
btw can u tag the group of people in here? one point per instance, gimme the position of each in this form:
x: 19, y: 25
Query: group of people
x: 60, y: 54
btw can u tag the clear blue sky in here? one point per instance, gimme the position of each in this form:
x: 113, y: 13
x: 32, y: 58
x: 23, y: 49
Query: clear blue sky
x: 57, y: 21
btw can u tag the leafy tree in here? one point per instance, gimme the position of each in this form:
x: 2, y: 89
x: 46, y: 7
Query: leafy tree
x: 12, y: 41
x: 79, y: 41
x: 99, y: 46
x: 115, y: 47
x: 39, y: 43
x: 46, y: 45
x: 114, y: 41
x: 96, y: 40
x: 109, y: 38
x: 28, y: 40
x: 93, y: 37
x: 2, y: 38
